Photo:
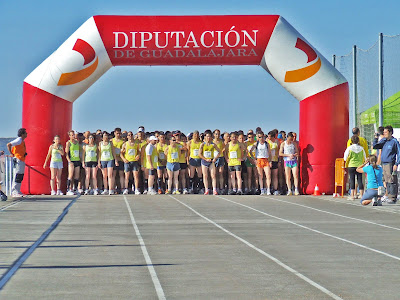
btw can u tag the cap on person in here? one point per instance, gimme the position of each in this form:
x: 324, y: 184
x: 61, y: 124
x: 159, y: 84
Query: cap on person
x: 176, y: 132
x: 140, y: 129
x: 152, y: 138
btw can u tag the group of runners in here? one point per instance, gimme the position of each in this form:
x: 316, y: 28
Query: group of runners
x: 171, y: 162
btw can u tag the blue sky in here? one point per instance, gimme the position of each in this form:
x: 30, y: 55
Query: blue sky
x: 227, y: 97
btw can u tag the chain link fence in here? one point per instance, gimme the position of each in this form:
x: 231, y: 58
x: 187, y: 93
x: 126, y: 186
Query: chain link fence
x: 373, y: 74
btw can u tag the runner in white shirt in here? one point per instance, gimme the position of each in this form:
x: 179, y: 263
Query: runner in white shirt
x: 263, y: 155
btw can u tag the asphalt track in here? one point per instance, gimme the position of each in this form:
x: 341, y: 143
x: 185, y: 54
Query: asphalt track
x: 198, y: 247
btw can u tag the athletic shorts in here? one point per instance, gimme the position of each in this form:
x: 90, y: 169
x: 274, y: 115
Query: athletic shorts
x: 262, y: 162
x: 161, y: 167
x: 152, y: 171
x: 91, y: 164
x: 120, y: 166
x: 131, y: 166
x: 275, y: 165
x: 173, y: 166
x: 206, y: 163
x: 290, y: 163
x: 195, y: 162
x: 77, y: 163
x: 234, y: 168
x: 248, y: 163
x: 56, y: 164
x: 183, y: 166
x: 107, y: 164
x: 220, y: 162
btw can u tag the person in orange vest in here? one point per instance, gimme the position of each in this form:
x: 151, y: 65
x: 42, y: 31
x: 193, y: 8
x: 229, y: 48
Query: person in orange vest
x: 18, y: 151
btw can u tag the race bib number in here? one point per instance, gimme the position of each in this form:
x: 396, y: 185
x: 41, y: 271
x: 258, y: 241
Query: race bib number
x: 162, y: 155
x: 57, y: 155
x: 91, y: 154
x: 196, y: 152
x: 216, y: 153
x: 132, y: 152
x: 207, y: 154
x: 117, y: 151
x: 106, y: 155
x: 76, y: 153
x: 174, y: 155
x: 155, y: 160
x: 273, y: 152
x: 233, y: 154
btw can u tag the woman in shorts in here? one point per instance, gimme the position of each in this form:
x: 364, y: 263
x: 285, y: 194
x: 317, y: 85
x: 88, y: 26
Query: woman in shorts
x: 90, y: 162
x: 207, y: 151
x: 194, y: 161
x: 107, y: 161
x: 56, y: 165
x: 172, y: 153
x: 73, y: 151
x: 220, y: 161
x: 262, y: 152
x: 289, y: 152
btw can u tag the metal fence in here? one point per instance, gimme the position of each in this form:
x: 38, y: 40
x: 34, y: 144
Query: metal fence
x: 374, y: 82
x: 7, y: 174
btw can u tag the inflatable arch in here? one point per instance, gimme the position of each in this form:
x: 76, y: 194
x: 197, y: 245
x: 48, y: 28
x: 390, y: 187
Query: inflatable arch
x: 266, y: 40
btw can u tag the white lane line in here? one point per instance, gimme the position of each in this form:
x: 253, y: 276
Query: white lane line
x: 277, y: 261
x: 315, y: 230
x: 10, y: 205
x: 356, y: 203
x: 152, y: 271
x: 15, y: 202
x: 334, y: 214
x: 17, y: 264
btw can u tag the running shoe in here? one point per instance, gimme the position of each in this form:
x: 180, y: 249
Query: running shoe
x: 185, y: 191
x: 391, y: 201
x: 17, y: 195
x: 207, y: 192
x: 374, y: 202
x: 167, y: 192
x: 137, y: 192
x: 53, y: 193
x: 276, y: 193
x: 231, y: 192
x: 379, y: 202
x: 296, y: 192
x: 268, y: 192
x: 70, y: 193
x: 111, y: 192
x: 262, y: 192
x: 105, y: 192
x: 385, y: 198
x: 126, y: 192
x: 152, y: 192
x: 239, y: 192
x: 350, y: 198
x: 258, y: 192
x: 177, y: 192
x: 96, y: 192
x: 80, y: 191
x: 289, y: 193
x: 60, y: 193
x: 160, y: 191
x: 145, y: 192
x: 86, y: 192
x: 215, y: 192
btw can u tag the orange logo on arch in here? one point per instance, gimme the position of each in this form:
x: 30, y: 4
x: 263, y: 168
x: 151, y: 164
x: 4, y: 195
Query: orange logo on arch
x: 89, y: 55
x: 307, y: 72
